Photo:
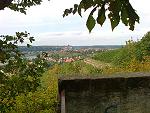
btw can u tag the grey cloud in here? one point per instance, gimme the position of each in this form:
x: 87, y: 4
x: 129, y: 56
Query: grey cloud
x: 56, y: 34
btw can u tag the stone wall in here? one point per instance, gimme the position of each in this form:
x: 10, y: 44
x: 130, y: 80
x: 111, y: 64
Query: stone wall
x: 116, y: 94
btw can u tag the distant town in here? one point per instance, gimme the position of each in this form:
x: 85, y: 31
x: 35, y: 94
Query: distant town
x: 61, y: 54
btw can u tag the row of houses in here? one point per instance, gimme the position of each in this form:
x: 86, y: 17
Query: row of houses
x: 65, y: 59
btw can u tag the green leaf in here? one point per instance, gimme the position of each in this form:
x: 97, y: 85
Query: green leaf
x: 114, y: 19
x: 101, y: 16
x: 87, y: 4
x: 90, y: 23
x: 79, y: 8
x: 124, y: 16
x: 99, y: 2
x: 21, y: 40
x: 31, y: 39
x: 114, y: 15
x: 75, y: 8
x: 133, y: 17
x: 28, y: 45
x: 9, y: 38
x: 114, y: 23
x: 131, y: 24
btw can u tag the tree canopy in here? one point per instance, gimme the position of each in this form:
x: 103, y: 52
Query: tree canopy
x: 116, y: 10
x: 18, y: 5
x: 18, y: 75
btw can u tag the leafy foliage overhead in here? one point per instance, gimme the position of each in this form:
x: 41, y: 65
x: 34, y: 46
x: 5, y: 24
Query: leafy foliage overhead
x: 18, y: 5
x: 117, y: 10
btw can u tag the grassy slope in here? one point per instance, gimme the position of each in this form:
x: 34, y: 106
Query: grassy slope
x: 97, y: 63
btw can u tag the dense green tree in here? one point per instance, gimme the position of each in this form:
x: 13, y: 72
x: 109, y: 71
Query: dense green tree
x: 133, y: 50
x: 145, y: 44
x: 17, y: 75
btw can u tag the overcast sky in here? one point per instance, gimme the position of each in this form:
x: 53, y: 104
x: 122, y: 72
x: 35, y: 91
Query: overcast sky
x: 46, y: 24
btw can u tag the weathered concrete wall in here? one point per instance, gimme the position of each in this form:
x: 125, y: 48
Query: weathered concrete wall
x: 107, y: 95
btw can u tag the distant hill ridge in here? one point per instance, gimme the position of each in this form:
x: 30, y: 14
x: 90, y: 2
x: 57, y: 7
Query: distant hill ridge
x: 57, y: 48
